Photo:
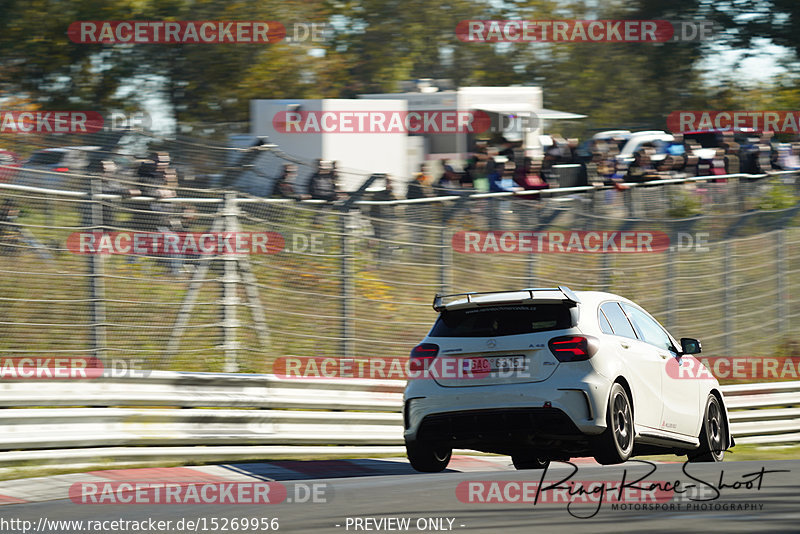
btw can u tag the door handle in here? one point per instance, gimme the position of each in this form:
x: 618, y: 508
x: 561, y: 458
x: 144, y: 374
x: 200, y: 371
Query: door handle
x: 624, y: 345
x: 663, y: 356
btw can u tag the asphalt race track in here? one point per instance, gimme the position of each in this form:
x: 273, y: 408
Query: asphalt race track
x: 732, y: 496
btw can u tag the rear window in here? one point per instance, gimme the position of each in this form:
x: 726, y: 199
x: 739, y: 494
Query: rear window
x: 46, y: 158
x: 498, y: 321
x: 706, y: 139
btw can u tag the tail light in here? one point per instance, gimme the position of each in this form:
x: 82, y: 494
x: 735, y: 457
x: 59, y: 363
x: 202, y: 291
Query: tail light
x: 422, y: 355
x: 61, y: 169
x: 573, y: 348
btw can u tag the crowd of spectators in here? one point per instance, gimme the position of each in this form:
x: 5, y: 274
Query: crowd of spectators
x: 599, y: 162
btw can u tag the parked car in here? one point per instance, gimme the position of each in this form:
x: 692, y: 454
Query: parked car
x: 656, y: 138
x: 551, y: 374
x: 50, y: 167
x: 62, y: 168
x: 10, y: 164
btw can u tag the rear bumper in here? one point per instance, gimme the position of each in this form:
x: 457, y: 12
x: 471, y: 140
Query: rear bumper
x: 484, y: 427
x: 470, y: 416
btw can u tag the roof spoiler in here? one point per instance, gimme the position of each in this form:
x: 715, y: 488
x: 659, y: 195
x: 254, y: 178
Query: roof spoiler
x: 568, y: 295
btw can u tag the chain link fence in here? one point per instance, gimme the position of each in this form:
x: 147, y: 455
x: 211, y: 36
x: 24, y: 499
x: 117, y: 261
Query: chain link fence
x: 356, y: 277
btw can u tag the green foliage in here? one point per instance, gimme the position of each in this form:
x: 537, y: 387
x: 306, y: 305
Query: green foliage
x: 374, y: 45
x: 778, y: 196
x: 684, y: 205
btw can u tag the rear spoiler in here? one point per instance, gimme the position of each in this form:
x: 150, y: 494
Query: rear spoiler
x: 523, y: 296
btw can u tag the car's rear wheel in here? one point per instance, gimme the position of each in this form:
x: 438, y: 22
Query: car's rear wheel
x: 529, y: 460
x: 615, y: 444
x: 713, y: 434
x: 427, y: 457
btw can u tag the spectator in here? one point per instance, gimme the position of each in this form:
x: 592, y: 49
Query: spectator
x: 159, y: 181
x: 764, y: 157
x: 502, y: 177
x: 8, y: 226
x: 508, y: 149
x: 418, y: 187
x: 450, y: 181
x: 676, y: 147
x: 607, y: 168
x: 718, y: 164
x: 383, y: 216
x: 418, y: 184
x: 731, y: 158
x: 322, y: 185
x: 666, y: 167
x: 13, y: 235
x: 691, y: 160
x: 572, y: 150
x: 106, y: 171
x: 476, y: 168
x: 788, y: 157
x: 641, y: 170
x: 528, y: 175
x: 285, y: 184
x: 551, y: 157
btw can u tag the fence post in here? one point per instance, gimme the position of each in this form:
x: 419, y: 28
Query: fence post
x: 532, y: 222
x: 347, y: 226
x: 780, y: 267
x: 348, y: 283
x: 740, y: 192
x: 97, y: 292
x: 728, y: 296
x: 669, y: 282
x: 230, y: 282
x: 445, y: 259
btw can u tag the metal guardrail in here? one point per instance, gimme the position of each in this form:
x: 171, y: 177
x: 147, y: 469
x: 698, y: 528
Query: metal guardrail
x: 227, y: 416
x: 556, y: 191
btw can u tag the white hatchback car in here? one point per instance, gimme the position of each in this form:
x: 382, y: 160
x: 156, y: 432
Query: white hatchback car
x: 551, y: 374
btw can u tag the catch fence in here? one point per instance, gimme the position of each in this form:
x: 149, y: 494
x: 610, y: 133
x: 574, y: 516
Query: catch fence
x: 356, y: 277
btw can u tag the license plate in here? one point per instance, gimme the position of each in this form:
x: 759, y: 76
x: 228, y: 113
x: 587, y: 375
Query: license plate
x: 507, y: 363
x: 495, y: 364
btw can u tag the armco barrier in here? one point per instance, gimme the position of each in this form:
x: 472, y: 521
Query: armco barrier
x: 199, y: 416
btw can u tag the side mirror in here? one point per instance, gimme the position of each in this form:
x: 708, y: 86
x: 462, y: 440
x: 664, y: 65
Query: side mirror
x: 690, y: 346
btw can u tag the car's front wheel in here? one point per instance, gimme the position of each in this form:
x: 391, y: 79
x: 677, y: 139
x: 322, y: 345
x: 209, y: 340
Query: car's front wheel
x: 428, y: 458
x: 713, y: 434
x: 529, y: 460
x: 615, y: 444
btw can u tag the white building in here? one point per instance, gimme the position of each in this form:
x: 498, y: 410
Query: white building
x: 357, y: 155
x: 516, y: 113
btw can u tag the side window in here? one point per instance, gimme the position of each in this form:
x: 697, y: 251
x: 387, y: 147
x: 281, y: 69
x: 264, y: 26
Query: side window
x: 651, y: 331
x: 605, y: 327
x: 617, y: 319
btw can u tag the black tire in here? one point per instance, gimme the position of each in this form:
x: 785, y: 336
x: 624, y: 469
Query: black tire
x: 527, y: 460
x: 713, y: 434
x: 428, y: 458
x: 615, y: 444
